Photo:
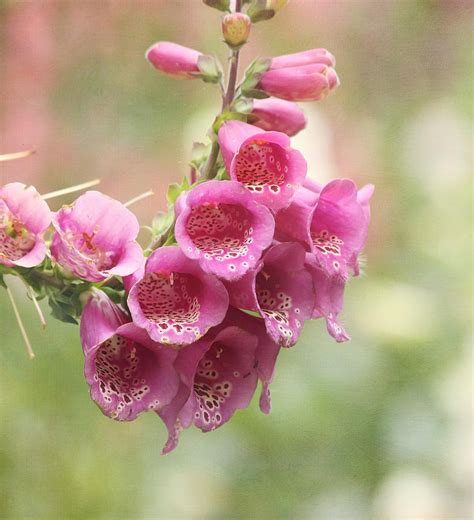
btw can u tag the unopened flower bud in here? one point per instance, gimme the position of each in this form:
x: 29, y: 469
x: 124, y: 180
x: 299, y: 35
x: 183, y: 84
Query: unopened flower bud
x: 236, y: 29
x: 261, y: 10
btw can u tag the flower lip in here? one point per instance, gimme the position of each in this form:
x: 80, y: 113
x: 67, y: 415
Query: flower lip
x: 218, y: 376
x: 127, y: 373
x: 280, y: 289
x: 222, y: 227
x: 175, y: 301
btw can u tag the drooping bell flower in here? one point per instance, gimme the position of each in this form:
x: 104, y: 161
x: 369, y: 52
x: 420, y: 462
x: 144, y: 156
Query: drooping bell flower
x: 176, y: 302
x: 328, y: 302
x: 127, y: 372
x: 24, y: 217
x: 263, y: 162
x: 175, y: 60
x: 266, y: 353
x: 280, y: 289
x: 278, y: 115
x: 95, y: 238
x: 218, y: 376
x: 220, y: 224
x: 334, y: 228
x: 302, y: 76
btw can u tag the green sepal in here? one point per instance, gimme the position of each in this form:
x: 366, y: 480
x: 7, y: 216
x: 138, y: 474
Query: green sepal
x: 175, y: 190
x: 227, y: 116
x: 222, y: 5
x: 253, y: 74
x: 210, y: 68
x: 199, y: 154
x: 242, y: 105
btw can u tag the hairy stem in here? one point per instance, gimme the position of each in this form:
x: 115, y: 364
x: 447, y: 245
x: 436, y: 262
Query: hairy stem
x: 227, y: 99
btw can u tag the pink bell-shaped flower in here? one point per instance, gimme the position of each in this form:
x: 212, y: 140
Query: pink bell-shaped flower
x: 24, y: 217
x: 176, y: 302
x: 263, y: 162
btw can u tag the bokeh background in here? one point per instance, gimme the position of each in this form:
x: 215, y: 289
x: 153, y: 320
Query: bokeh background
x: 377, y: 428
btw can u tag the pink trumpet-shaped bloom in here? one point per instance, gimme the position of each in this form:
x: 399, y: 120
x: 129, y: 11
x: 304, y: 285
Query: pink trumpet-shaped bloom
x: 220, y: 224
x: 127, y: 372
x: 278, y: 115
x: 280, y: 289
x: 300, y: 83
x: 298, y: 59
x: 173, y: 59
x: 333, y: 224
x: 266, y: 353
x: 218, y: 377
x: 175, y: 301
x: 263, y: 162
x: 329, y: 294
x: 95, y: 238
x: 24, y: 217
x: 302, y: 76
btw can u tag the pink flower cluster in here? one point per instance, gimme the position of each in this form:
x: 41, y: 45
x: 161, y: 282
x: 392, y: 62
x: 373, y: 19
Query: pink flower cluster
x: 256, y: 257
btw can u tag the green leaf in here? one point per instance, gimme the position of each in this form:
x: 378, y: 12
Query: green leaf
x: 175, y: 190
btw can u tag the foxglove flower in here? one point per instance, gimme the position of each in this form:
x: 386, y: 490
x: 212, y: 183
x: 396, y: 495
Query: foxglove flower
x: 127, y: 372
x: 280, y: 289
x: 266, y: 353
x: 175, y: 301
x: 278, y: 115
x: 263, y: 162
x: 302, y: 76
x: 95, y: 238
x: 334, y: 228
x: 329, y: 294
x: 174, y: 60
x: 24, y: 217
x: 219, y: 224
x: 218, y: 376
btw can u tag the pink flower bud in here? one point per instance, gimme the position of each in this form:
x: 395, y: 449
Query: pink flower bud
x: 174, y: 60
x: 278, y: 115
x: 236, y: 29
x: 302, y: 76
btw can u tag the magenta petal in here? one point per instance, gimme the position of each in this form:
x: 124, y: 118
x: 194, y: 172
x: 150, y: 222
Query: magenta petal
x: 307, y: 57
x: 24, y: 217
x: 281, y: 291
x: 263, y: 162
x: 231, y: 135
x: 178, y: 414
x: 27, y: 206
x: 131, y: 257
x: 293, y: 223
x: 279, y: 115
x: 266, y: 353
x: 223, y: 228
x: 329, y: 294
x: 94, y: 237
x: 218, y: 376
x: 225, y: 379
x: 338, y: 228
x: 127, y: 373
x: 176, y: 302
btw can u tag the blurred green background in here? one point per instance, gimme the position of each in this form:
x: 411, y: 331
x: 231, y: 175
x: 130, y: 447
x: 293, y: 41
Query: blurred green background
x: 376, y: 428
